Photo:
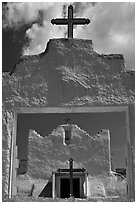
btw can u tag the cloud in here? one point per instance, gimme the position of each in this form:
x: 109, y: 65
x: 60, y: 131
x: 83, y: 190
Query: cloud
x: 39, y: 36
x: 111, y: 28
x: 38, y: 15
x: 17, y: 14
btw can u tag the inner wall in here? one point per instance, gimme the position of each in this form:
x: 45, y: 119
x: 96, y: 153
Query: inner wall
x: 92, y: 123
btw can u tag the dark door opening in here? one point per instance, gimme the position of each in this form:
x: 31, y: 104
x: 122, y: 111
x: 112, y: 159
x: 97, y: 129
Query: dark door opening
x: 76, y: 187
x: 65, y: 188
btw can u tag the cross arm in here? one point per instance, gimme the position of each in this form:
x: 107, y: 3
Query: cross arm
x: 68, y: 170
x: 59, y: 21
x: 80, y: 21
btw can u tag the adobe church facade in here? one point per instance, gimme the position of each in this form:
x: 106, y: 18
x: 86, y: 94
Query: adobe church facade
x: 52, y: 153
x: 69, y: 76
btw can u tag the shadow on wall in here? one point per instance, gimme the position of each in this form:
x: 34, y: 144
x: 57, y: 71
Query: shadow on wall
x: 47, y: 190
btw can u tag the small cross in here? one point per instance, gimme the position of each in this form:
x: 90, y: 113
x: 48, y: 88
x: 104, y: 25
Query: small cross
x: 70, y: 21
x: 67, y: 120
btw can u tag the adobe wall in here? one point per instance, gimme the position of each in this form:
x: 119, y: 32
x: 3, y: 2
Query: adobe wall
x: 69, y: 73
x: 49, y: 153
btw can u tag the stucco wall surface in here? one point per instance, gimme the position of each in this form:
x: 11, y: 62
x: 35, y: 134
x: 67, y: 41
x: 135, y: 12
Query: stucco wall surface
x: 69, y: 73
x: 49, y: 153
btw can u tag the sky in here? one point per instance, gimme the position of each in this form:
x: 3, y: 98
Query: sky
x: 92, y: 123
x: 26, y: 28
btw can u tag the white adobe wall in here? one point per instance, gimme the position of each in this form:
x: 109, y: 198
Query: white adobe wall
x: 47, y: 154
x: 68, y: 73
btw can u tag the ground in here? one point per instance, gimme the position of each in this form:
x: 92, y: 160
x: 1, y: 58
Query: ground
x: 95, y: 199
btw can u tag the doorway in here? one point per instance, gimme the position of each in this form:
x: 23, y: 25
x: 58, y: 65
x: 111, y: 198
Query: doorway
x: 83, y: 117
x: 65, y: 187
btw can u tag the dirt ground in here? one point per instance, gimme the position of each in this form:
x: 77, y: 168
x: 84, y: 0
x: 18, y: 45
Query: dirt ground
x: 24, y: 198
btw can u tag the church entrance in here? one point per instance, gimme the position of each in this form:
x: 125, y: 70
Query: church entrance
x: 65, y: 187
x: 69, y: 182
x: 61, y: 185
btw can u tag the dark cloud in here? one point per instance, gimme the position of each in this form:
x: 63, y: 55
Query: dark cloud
x: 12, y: 43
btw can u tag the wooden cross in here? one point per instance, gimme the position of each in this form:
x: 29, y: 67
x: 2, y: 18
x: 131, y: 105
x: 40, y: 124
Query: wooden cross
x: 70, y: 21
x: 71, y: 170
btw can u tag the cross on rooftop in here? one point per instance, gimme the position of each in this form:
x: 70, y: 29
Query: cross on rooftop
x: 67, y: 120
x: 70, y: 21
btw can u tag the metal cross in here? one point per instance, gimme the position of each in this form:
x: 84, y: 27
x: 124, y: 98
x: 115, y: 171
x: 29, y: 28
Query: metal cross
x: 70, y: 21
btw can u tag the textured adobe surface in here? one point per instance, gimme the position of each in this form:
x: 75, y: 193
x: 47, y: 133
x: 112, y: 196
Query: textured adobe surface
x: 68, y: 73
x: 47, y: 154
x: 71, y: 72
